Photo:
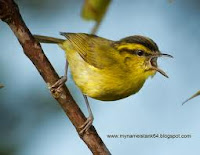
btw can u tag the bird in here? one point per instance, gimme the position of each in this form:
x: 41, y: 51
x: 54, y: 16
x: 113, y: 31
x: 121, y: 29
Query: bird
x: 104, y: 69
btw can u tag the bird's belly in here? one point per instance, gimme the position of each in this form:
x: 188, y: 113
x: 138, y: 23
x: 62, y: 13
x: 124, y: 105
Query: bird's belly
x: 101, y: 85
x: 108, y: 92
x: 105, y: 89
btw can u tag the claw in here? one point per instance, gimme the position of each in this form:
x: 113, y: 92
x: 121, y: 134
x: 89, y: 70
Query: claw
x: 60, y: 82
x: 55, y: 88
x: 86, y: 125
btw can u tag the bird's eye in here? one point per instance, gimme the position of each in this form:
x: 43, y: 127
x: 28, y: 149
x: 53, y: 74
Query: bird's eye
x: 140, y: 53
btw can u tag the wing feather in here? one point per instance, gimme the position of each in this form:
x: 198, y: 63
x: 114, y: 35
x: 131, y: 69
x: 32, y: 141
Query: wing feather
x: 93, y: 49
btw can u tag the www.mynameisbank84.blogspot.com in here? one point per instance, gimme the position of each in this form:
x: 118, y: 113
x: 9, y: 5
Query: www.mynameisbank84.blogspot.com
x: 166, y: 136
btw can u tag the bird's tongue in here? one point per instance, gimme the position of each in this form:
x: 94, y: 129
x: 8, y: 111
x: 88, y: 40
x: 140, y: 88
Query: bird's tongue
x: 155, y: 67
x: 154, y: 62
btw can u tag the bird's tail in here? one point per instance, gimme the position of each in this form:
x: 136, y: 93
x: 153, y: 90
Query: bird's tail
x: 46, y: 39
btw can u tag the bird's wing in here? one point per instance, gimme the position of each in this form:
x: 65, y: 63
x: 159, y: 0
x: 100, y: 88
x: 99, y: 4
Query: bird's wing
x: 93, y: 49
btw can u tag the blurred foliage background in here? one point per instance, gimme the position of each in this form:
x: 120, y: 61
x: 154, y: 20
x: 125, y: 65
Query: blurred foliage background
x: 31, y: 122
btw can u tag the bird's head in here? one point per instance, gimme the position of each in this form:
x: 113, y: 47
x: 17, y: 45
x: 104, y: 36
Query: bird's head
x: 140, y: 54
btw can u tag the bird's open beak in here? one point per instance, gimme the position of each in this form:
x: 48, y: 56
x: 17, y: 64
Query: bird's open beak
x: 153, y: 62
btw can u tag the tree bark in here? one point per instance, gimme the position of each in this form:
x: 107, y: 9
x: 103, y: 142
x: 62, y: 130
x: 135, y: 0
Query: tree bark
x: 10, y: 14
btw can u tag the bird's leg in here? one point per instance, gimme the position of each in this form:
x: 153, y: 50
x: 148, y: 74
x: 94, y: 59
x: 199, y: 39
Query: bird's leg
x: 89, y: 120
x: 56, y: 86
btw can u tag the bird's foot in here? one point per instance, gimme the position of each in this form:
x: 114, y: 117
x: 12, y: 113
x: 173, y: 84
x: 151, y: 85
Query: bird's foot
x: 88, y: 123
x: 56, y: 87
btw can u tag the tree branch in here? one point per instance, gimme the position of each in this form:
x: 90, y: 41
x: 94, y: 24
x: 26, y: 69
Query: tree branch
x: 9, y: 13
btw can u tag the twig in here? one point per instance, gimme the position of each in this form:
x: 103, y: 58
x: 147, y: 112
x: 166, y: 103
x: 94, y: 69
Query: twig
x: 95, y: 28
x: 9, y: 13
x: 193, y: 96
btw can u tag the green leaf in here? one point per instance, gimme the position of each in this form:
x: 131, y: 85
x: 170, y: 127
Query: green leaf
x: 193, y: 96
x: 95, y: 9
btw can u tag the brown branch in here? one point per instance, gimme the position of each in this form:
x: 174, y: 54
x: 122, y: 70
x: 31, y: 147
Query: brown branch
x: 9, y: 13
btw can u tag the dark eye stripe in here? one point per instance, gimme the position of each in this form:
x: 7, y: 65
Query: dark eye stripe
x: 135, y: 52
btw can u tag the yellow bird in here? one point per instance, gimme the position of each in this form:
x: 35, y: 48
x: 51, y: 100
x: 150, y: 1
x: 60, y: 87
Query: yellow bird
x: 104, y: 69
